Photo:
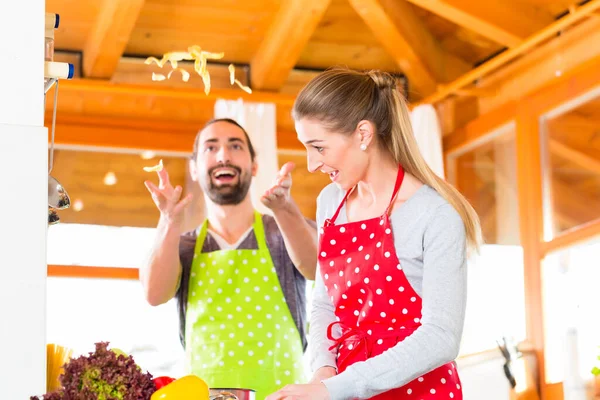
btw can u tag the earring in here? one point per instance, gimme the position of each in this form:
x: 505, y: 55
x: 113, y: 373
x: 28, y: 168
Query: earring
x: 363, y: 147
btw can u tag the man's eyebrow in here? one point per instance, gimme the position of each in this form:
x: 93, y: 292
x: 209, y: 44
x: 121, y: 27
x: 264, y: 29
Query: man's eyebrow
x: 215, y: 140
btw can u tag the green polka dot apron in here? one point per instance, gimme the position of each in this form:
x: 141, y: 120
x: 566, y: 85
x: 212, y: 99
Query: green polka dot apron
x: 239, y: 330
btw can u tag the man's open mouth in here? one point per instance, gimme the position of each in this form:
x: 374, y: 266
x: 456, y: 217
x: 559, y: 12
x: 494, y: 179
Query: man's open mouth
x: 224, y: 175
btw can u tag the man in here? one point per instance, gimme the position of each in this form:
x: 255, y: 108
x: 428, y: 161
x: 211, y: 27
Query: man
x: 239, y: 278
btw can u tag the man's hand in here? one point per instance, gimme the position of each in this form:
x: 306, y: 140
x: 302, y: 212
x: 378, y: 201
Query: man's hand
x: 167, y: 198
x: 278, y: 196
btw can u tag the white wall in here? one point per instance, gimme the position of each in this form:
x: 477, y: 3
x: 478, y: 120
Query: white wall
x: 23, y: 200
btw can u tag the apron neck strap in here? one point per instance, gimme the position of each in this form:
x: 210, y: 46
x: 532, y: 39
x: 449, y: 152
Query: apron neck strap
x: 202, y: 233
x: 259, y: 231
x: 332, y: 220
x: 399, y: 179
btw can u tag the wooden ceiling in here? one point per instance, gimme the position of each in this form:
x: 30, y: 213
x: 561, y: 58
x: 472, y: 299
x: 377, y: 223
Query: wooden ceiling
x: 277, y: 46
x: 431, y: 42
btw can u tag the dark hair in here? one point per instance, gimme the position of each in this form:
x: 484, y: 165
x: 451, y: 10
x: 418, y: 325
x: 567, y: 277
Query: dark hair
x: 229, y: 121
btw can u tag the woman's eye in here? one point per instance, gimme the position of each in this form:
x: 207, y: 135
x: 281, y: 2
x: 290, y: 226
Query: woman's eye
x: 319, y: 149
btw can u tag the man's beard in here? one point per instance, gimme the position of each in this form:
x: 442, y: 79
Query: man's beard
x: 228, y: 193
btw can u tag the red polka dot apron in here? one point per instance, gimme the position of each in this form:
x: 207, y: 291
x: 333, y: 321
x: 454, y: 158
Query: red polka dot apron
x: 375, y: 305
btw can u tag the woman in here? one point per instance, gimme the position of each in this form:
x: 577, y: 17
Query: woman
x: 390, y: 293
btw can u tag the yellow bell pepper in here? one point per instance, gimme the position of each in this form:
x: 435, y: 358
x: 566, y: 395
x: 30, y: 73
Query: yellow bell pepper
x: 189, y: 387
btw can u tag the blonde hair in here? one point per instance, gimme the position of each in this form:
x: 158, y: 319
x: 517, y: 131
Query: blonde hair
x: 341, y: 98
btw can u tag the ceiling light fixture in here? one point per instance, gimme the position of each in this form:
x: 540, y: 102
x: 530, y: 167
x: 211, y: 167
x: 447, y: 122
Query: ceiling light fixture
x: 110, y: 178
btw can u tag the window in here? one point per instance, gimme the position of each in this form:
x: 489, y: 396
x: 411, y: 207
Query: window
x: 571, y: 159
x: 572, y: 327
x: 485, y: 173
x: 97, y: 245
x: 495, y: 299
x: 81, y: 312
x: 84, y: 311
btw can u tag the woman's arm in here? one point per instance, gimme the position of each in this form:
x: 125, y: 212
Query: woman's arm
x: 322, y: 314
x: 322, y: 309
x: 437, y: 341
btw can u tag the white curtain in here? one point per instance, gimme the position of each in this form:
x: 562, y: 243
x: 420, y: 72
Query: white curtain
x: 259, y: 120
x: 428, y: 133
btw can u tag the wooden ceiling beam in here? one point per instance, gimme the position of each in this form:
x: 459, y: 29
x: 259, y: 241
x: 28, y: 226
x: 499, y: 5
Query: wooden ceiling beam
x: 109, y: 37
x: 122, y: 134
x: 577, y: 157
x: 574, y: 204
x: 404, y: 36
x: 188, y: 107
x: 288, y: 34
x: 184, y: 94
x: 580, y: 234
x: 476, y: 131
x: 134, y: 71
x: 503, y: 21
x: 535, y: 40
x: 563, y: 125
x: 136, y: 134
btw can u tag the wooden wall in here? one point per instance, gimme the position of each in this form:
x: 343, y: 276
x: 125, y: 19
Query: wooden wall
x: 128, y: 203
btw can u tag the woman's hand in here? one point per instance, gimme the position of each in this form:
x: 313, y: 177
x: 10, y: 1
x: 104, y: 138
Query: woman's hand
x: 322, y: 374
x: 314, y: 390
x: 311, y: 391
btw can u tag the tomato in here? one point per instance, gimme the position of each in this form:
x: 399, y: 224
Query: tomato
x: 162, y: 381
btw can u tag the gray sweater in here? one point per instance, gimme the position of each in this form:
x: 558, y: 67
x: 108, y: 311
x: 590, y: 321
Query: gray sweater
x: 431, y: 245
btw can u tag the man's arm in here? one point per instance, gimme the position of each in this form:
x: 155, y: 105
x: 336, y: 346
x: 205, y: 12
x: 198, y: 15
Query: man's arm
x: 160, y: 277
x: 300, y: 237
